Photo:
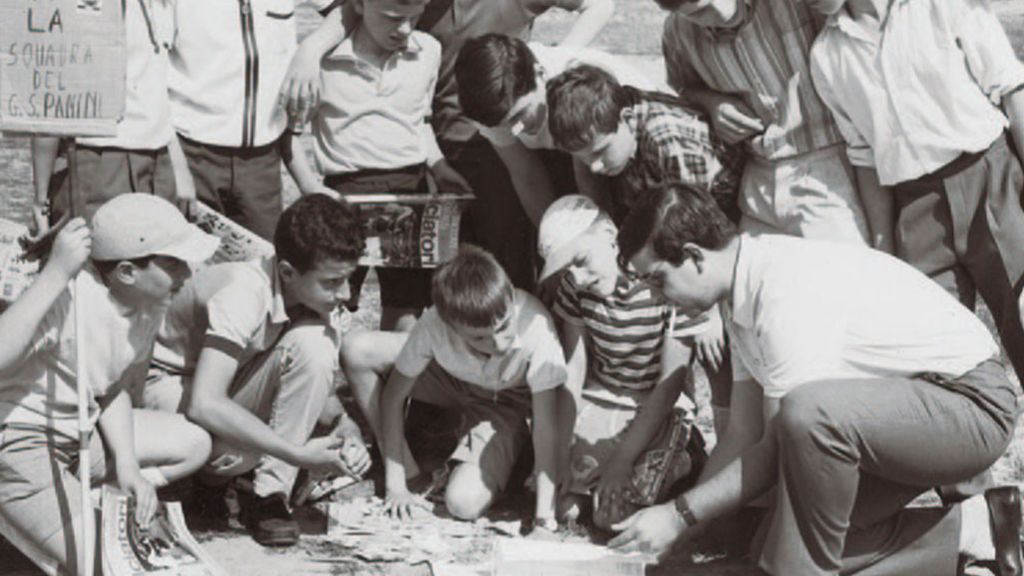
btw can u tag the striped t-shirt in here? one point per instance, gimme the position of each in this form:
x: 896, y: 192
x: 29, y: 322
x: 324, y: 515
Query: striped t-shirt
x: 625, y: 331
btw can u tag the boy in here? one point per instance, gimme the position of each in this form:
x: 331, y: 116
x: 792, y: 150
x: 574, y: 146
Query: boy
x: 630, y: 355
x: 144, y: 155
x: 745, y: 64
x: 371, y: 132
x: 486, y: 349
x: 860, y: 384
x: 501, y: 82
x: 227, y: 68
x: 141, y: 246
x: 249, y: 350
x: 935, y: 171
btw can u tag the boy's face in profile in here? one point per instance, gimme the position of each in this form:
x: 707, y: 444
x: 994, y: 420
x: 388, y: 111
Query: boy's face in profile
x: 391, y: 22
x: 594, y: 266
x: 608, y: 154
x: 322, y: 288
x: 492, y: 340
x: 529, y: 112
x: 157, y: 281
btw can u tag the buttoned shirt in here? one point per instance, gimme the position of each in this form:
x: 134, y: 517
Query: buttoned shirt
x: 228, y: 63
x: 804, y: 311
x: 534, y: 360
x: 146, y: 123
x: 376, y: 118
x: 912, y: 95
x: 674, y: 143
x: 554, y: 60
x: 764, y: 62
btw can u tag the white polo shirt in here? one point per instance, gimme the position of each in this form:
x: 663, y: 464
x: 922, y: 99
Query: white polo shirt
x: 228, y: 62
x: 40, y: 390
x: 911, y: 97
x: 805, y: 310
x: 376, y: 118
x: 557, y: 59
x: 535, y: 359
x: 146, y: 124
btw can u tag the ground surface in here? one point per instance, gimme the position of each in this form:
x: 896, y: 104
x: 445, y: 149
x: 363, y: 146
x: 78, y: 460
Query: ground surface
x: 635, y: 32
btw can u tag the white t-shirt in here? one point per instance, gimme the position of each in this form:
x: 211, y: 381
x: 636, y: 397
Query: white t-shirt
x: 805, y: 310
x: 40, y: 390
x: 555, y: 60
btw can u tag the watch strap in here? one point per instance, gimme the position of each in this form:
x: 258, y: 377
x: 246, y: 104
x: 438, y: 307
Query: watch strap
x: 683, y: 510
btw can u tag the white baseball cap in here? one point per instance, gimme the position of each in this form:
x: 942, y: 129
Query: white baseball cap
x: 130, y: 226
x: 564, y: 222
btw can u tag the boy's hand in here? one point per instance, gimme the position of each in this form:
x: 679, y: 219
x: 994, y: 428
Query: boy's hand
x: 300, y: 91
x: 71, y: 248
x: 356, y: 457
x: 40, y: 219
x: 321, y: 189
x: 448, y: 179
x: 710, y: 344
x: 733, y: 120
x: 403, y: 505
x: 612, y: 478
x: 144, y: 493
x: 323, y: 455
x: 185, y: 193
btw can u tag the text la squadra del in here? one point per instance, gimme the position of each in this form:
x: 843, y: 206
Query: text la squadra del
x: 51, y: 58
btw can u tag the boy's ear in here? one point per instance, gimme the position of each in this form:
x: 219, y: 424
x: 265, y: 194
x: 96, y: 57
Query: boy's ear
x: 287, y: 271
x: 626, y: 114
x: 124, y: 273
x: 696, y: 253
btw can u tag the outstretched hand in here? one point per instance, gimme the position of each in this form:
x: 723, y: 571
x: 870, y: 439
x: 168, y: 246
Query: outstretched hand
x: 654, y: 529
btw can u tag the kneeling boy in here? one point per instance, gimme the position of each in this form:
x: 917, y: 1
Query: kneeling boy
x: 140, y: 246
x: 486, y: 349
x: 249, y: 352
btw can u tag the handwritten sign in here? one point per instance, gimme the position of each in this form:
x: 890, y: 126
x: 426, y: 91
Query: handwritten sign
x: 61, y: 66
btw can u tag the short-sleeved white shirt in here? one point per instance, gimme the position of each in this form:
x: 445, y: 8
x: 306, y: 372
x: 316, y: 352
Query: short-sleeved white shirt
x: 535, y: 359
x: 805, y: 310
x: 555, y: 60
x: 41, y: 389
x: 235, y: 307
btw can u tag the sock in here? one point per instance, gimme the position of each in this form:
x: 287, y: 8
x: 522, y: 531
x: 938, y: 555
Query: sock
x: 975, y: 529
x: 155, y: 477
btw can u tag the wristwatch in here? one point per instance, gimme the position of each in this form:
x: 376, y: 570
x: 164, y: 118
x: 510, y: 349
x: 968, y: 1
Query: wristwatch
x: 682, y: 508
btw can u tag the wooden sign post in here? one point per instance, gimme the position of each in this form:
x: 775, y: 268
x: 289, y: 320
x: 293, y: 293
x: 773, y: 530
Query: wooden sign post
x: 62, y: 72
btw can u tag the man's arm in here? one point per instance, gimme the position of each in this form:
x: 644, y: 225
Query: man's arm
x: 184, y: 184
x: 879, y: 209
x: 214, y: 410
x: 118, y: 430
x: 400, y: 501
x: 307, y: 179
x: 1013, y: 106
x: 573, y: 337
x: 300, y: 91
x: 44, y: 158
x: 530, y: 179
x: 545, y: 447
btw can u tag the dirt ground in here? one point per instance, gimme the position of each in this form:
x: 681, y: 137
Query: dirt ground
x: 634, y: 33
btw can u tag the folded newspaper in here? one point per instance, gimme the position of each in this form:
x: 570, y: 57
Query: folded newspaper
x: 165, y: 547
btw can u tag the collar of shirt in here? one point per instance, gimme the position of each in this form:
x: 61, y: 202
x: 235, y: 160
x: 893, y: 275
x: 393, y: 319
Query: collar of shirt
x: 278, y: 312
x: 729, y: 33
x: 742, y: 284
x: 858, y: 30
x: 346, y: 50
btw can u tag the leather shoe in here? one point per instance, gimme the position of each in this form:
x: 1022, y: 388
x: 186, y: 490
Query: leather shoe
x: 1005, y: 519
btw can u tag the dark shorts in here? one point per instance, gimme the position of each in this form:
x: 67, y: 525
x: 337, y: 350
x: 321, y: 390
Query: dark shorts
x: 399, y: 287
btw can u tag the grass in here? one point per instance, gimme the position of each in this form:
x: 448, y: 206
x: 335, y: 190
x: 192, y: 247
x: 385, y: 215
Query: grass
x: 635, y: 32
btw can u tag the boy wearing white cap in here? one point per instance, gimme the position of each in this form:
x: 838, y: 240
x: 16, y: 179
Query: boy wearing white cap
x: 629, y: 356
x: 140, y: 249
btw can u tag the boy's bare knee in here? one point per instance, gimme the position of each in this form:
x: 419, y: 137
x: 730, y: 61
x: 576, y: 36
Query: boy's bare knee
x: 467, y: 496
x: 371, y: 351
x: 195, y: 445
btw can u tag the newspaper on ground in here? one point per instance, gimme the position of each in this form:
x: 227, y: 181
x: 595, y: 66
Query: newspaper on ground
x: 165, y: 547
x: 528, y: 557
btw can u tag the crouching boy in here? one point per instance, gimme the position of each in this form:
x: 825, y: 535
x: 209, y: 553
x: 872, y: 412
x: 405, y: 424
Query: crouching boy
x: 249, y: 352
x: 486, y: 349
x: 140, y: 247
x: 629, y: 356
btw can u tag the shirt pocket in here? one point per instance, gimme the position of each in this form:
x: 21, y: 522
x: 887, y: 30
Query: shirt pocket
x: 275, y: 26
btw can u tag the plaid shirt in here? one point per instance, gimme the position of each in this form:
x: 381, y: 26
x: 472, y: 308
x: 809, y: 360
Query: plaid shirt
x: 675, y: 144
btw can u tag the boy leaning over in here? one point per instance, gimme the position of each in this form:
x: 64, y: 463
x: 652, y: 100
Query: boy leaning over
x: 628, y: 361
x: 925, y: 93
x: 140, y: 249
x: 249, y: 352
x: 486, y: 349
x: 372, y: 134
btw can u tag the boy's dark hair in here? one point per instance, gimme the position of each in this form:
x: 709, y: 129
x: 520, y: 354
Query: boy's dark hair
x: 671, y: 5
x: 317, y: 227
x: 671, y: 217
x: 472, y: 289
x: 492, y: 72
x: 584, y: 101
